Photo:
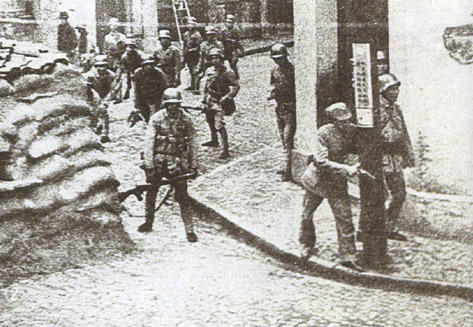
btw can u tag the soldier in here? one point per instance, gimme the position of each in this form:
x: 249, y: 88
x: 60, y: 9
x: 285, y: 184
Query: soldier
x: 326, y: 177
x: 397, y: 152
x: 66, y: 36
x: 170, y: 151
x: 114, y: 45
x: 230, y: 36
x: 382, y: 62
x: 284, y: 92
x: 149, y: 85
x: 131, y: 61
x: 192, y: 41
x: 221, y: 86
x: 168, y: 59
x: 100, y: 90
x: 210, y: 43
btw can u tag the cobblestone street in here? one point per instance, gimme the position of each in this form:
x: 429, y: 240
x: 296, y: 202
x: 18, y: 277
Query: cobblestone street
x: 216, y: 281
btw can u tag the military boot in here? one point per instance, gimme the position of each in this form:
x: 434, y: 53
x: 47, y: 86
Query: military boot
x: 213, y: 141
x: 149, y: 215
x: 225, y: 153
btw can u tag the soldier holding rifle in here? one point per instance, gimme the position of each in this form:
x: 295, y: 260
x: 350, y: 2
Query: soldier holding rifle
x: 326, y: 178
x: 170, y: 151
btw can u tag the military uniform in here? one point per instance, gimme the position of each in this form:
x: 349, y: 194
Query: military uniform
x: 284, y: 92
x: 148, y: 87
x: 100, y: 89
x: 66, y: 39
x: 220, y: 83
x: 169, y: 60
x: 114, y: 47
x: 205, y: 47
x: 397, y: 155
x: 170, y: 151
x: 326, y: 177
x: 131, y: 61
x: 192, y: 42
x: 230, y: 37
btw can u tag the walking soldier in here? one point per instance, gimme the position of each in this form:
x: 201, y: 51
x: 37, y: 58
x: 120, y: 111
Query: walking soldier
x: 230, y: 36
x: 149, y: 85
x: 210, y: 43
x: 66, y: 36
x: 326, y: 177
x: 397, y: 152
x: 284, y: 92
x: 114, y: 45
x: 131, y: 61
x: 170, y: 151
x: 192, y: 41
x: 168, y: 59
x: 221, y: 86
x: 100, y: 90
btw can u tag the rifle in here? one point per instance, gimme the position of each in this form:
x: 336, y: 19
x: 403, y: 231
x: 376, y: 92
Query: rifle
x: 360, y: 171
x: 187, y: 108
x: 138, y: 190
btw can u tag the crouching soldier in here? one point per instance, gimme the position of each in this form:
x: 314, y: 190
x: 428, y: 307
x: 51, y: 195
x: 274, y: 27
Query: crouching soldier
x: 100, y: 90
x: 221, y: 86
x: 149, y: 85
x: 170, y: 151
x: 326, y: 178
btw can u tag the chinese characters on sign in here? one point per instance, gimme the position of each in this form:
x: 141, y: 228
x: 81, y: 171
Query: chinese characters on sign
x: 362, y: 84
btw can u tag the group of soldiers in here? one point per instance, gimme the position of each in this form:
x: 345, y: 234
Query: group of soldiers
x: 170, y: 149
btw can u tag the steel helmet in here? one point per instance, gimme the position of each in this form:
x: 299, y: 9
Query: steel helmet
x: 278, y: 50
x: 148, y: 60
x: 216, y: 52
x: 230, y: 18
x: 164, y: 34
x: 338, y: 111
x: 101, y: 61
x: 210, y: 30
x: 130, y: 41
x: 386, y: 81
x: 172, y: 95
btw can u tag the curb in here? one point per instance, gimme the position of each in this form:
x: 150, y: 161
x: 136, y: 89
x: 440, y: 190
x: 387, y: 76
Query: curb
x: 328, y: 270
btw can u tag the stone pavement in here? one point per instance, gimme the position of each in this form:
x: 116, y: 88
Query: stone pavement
x: 248, y: 192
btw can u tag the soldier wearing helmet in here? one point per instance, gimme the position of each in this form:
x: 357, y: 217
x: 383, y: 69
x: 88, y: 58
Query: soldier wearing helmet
x: 100, y: 91
x: 326, y: 178
x: 131, y: 61
x: 149, y: 85
x: 221, y: 87
x: 283, y: 90
x: 168, y: 58
x: 170, y: 151
x: 192, y: 41
x: 210, y: 43
x: 66, y: 36
x: 114, y: 44
x: 230, y: 37
x: 397, y: 152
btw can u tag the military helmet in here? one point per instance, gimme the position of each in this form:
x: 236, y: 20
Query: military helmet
x: 386, y: 81
x: 101, y: 61
x: 216, y: 52
x: 278, y: 50
x: 130, y: 41
x: 63, y: 15
x: 338, y: 111
x: 148, y: 60
x: 164, y: 34
x: 210, y: 30
x: 191, y: 20
x: 172, y: 95
x: 381, y: 55
x: 230, y: 18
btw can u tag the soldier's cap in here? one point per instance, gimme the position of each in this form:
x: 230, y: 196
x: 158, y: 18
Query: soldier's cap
x: 164, y: 34
x: 63, y: 14
x: 210, y: 30
x: 386, y: 81
x: 381, y: 55
x: 148, y: 60
x: 338, y: 111
x: 101, y: 61
x: 216, y: 52
x: 113, y: 21
x: 230, y: 18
